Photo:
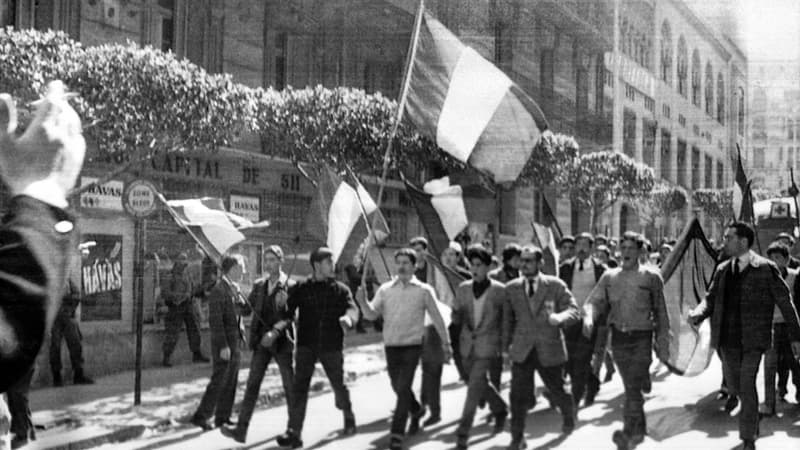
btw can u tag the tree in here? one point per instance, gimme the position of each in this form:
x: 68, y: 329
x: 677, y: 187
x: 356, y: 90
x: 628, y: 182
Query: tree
x: 662, y: 202
x: 552, y: 155
x: 598, y: 180
x: 717, y: 204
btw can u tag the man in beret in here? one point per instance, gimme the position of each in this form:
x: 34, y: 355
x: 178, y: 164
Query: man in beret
x: 788, y: 240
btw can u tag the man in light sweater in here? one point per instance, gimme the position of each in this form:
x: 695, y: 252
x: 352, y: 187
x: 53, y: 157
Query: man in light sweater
x: 403, y: 302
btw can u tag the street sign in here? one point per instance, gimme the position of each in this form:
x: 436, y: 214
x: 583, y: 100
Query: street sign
x: 139, y: 198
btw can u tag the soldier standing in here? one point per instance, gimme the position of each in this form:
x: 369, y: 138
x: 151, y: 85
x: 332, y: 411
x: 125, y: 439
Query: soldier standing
x: 177, y: 296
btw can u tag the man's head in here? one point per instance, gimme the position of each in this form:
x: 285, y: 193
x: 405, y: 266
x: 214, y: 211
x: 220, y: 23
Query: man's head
x: 778, y: 252
x: 584, y: 244
x: 601, y: 239
x: 406, y: 261
x: 322, y: 263
x: 566, y: 247
x: 233, y: 267
x: 738, y: 237
x: 511, y: 255
x: 181, y: 261
x: 631, y: 245
x: 664, y: 251
x: 531, y: 259
x: 419, y: 244
x: 273, y: 259
x: 479, y: 261
x: 451, y: 254
x: 603, y: 254
x: 786, y: 239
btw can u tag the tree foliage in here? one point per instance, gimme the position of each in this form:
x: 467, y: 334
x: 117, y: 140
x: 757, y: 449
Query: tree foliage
x: 662, y: 202
x: 717, y: 204
x: 598, y: 180
x: 549, y: 161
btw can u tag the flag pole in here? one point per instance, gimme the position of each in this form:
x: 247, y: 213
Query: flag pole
x: 370, y: 228
x: 793, y: 192
x: 401, y: 106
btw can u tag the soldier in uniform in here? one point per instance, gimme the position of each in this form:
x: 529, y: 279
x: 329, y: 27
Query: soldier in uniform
x: 65, y: 327
x: 177, y: 296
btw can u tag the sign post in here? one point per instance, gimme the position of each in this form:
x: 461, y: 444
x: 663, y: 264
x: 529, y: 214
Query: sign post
x: 139, y: 200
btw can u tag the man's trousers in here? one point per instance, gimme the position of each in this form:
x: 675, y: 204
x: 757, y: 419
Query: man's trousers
x: 258, y: 366
x: 333, y: 363
x: 632, y: 352
x: 740, y: 368
x: 221, y: 389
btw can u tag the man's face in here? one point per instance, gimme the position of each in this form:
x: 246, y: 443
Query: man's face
x: 602, y: 256
x: 478, y: 269
x: 449, y: 257
x: 567, y: 250
x: 779, y: 260
x: 734, y: 245
x: 515, y: 262
x: 530, y: 265
x: 405, y: 268
x: 420, y: 249
x: 785, y: 241
x: 630, y: 253
x: 664, y: 252
x: 583, y: 247
x: 236, y: 273
x: 272, y: 265
x: 324, y: 268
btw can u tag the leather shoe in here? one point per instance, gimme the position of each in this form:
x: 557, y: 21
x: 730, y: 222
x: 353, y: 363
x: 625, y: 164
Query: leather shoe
x: 222, y: 423
x: 57, y: 380
x: 517, y: 444
x: 238, y: 434
x: 748, y: 444
x: 82, y: 379
x: 413, y: 426
x: 289, y: 439
x: 198, y: 357
x: 431, y: 420
x: 731, y: 403
x: 200, y: 422
x: 620, y: 439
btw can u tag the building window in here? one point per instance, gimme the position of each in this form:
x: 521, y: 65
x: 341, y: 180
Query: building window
x: 682, y: 120
x: 649, y: 104
x: 546, y: 72
x: 287, y: 212
x: 683, y: 67
x: 281, y: 50
x: 600, y: 81
x: 681, y: 169
x: 630, y: 92
x: 8, y: 13
x: 741, y: 111
x: 666, y: 111
x: 709, y: 181
x: 709, y: 90
x: 649, y: 131
x: 720, y: 175
x: 695, y: 168
x: 629, y: 133
x: 666, y: 155
x: 758, y: 157
x: 397, y: 221
x: 790, y: 157
x: 720, y: 99
x: 696, y: 78
x: 790, y: 129
x: 666, y: 53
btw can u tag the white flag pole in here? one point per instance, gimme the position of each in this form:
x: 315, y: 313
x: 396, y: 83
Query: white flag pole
x: 401, y: 106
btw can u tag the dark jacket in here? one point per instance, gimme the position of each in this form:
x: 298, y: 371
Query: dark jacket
x: 224, y: 319
x: 762, y: 289
x: 566, y: 270
x: 270, y: 308
x: 320, y: 304
x: 502, y: 274
x: 36, y: 245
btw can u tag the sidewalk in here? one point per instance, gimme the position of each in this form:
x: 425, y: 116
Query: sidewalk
x: 78, y: 417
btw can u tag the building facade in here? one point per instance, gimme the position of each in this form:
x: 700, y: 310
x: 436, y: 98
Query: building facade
x: 683, y: 95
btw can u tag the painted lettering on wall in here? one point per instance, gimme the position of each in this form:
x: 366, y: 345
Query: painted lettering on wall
x: 188, y: 166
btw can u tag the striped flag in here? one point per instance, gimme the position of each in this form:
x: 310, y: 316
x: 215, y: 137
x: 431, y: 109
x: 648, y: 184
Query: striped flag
x: 469, y: 107
x: 440, y: 208
x: 548, y: 233
x: 338, y: 209
x: 207, y: 221
x: 742, y: 195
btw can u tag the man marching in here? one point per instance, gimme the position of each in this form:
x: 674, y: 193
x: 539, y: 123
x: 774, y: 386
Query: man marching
x: 269, y: 338
x: 478, y: 312
x: 403, y: 302
x: 632, y: 297
x: 539, y: 306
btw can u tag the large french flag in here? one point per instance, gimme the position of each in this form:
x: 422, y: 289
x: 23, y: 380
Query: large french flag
x: 469, y: 107
x: 440, y: 208
x: 338, y: 212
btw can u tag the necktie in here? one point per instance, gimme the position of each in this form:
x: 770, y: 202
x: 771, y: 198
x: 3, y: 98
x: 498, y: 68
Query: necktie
x: 736, y: 268
x: 530, y: 287
x: 580, y: 265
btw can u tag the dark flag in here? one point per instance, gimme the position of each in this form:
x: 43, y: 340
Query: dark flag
x: 742, y: 195
x: 687, y: 273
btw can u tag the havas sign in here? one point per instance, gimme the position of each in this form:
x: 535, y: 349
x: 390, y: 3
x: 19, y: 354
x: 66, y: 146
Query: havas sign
x: 104, y: 196
x: 246, y: 206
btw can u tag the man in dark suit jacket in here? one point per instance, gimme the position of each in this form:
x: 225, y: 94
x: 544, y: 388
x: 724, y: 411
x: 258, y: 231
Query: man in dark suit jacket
x: 539, y: 306
x: 37, y: 237
x: 478, y: 312
x: 227, y: 332
x: 581, y: 274
x: 740, y: 302
x: 270, y: 337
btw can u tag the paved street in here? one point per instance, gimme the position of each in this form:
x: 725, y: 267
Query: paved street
x: 681, y: 415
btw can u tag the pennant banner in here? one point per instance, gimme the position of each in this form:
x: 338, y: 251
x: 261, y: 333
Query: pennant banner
x: 687, y: 273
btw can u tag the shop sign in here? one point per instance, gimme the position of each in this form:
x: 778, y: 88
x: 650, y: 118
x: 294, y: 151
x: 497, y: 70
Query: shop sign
x: 105, y: 196
x: 246, y: 206
x: 101, y: 278
x: 140, y: 198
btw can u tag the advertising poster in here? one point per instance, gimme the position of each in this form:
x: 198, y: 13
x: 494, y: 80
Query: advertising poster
x: 101, y: 279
